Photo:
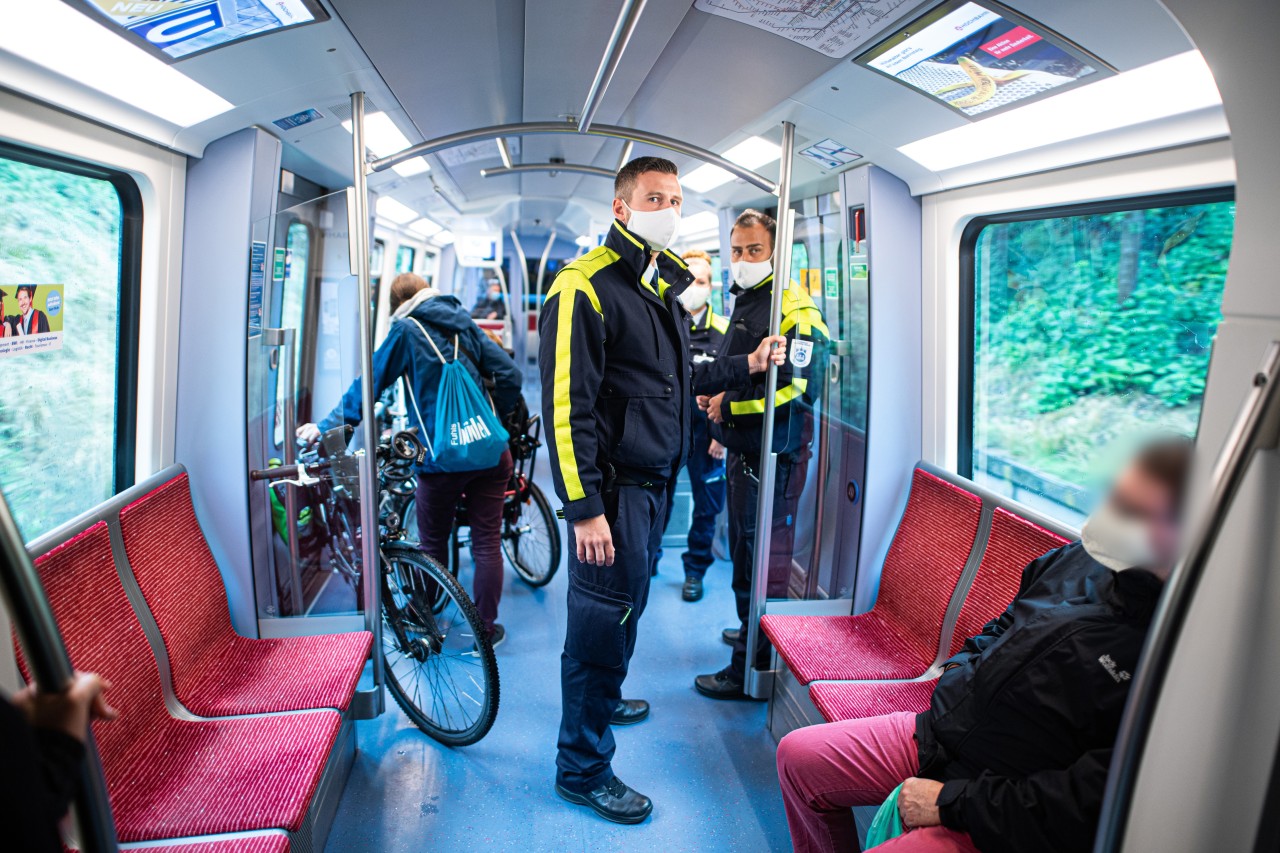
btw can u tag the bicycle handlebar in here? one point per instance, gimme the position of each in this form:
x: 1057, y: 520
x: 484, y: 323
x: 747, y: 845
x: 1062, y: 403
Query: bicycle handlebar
x: 288, y: 472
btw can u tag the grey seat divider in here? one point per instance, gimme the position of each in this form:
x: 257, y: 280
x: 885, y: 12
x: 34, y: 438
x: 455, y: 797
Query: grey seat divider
x: 991, y: 501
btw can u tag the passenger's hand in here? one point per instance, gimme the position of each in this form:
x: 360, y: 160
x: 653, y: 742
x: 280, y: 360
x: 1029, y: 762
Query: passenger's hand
x: 309, y: 434
x: 918, y: 803
x: 714, y: 406
x: 759, y: 360
x: 70, y: 711
x: 703, y: 401
x: 716, y: 450
x: 595, y: 541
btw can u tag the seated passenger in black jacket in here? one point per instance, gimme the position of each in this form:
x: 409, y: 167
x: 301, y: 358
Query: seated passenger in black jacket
x: 1012, y: 755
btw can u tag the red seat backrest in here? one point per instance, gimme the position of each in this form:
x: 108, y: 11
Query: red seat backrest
x: 927, y: 557
x: 1013, y: 543
x: 176, y: 572
x: 103, y: 635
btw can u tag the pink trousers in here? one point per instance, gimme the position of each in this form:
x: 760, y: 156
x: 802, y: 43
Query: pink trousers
x: 825, y: 770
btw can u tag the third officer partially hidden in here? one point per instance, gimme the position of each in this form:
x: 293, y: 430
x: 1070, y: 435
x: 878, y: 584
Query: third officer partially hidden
x: 616, y: 382
x: 739, y: 418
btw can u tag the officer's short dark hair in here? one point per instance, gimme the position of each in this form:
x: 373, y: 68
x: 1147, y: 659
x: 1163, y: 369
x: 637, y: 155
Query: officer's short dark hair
x: 1167, y: 460
x: 29, y: 288
x: 625, y: 184
x: 750, y: 218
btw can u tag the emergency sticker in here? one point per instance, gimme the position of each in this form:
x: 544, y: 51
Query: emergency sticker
x: 801, y: 353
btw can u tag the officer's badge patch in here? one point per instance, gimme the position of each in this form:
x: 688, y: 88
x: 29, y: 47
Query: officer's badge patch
x: 801, y: 353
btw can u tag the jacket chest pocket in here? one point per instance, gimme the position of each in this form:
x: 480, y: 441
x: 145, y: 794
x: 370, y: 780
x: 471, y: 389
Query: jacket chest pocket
x: 644, y: 414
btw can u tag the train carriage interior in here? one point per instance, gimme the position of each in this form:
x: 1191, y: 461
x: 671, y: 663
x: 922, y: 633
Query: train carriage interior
x: 1014, y: 241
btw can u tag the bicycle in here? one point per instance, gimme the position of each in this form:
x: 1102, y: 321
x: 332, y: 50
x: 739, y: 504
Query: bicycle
x: 530, y: 533
x: 438, y: 661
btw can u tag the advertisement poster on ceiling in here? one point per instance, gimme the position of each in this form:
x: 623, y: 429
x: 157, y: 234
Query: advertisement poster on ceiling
x: 30, y: 318
x: 976, y: 60
x: 183, y: 27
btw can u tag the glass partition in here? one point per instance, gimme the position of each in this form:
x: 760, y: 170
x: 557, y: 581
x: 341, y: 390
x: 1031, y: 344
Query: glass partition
x: 306, y: 534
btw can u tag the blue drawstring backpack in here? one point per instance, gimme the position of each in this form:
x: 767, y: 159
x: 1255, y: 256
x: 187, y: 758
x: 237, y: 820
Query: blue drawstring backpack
x: 468, y: 434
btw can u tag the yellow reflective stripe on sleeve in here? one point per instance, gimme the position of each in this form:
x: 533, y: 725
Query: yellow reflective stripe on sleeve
x: 574, y: 281
x: 808, y: 319
x: 720, y: 324
x: 563, y: 400
x: 784, y: 396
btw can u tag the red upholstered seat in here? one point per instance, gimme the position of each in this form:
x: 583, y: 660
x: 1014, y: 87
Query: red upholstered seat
x: 1013, y: 543
x: 857, y: 700
x: 216, y: 672
x: 273, y: 843
x: 898, y: 638
x: 170, y: 778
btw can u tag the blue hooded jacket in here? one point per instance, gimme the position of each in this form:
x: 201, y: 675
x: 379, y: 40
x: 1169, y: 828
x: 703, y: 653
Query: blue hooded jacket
x: 405, y: 352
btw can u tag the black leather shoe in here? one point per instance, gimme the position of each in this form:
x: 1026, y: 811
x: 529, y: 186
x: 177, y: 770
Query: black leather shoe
x: 731, y: 635
x: 721, y: 685
x: 613, y: 800
x: 692, y: 588
x: 629, y: 712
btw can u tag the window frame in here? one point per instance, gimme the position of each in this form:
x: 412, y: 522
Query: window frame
x: 968, y: 285
x: 128, y: 315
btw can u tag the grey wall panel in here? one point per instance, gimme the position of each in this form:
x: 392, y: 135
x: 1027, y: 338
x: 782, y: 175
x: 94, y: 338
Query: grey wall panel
x: 230, y: 188
x: 894, y: 394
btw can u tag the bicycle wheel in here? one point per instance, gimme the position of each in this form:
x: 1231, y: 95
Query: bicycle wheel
x: 440, y: 667
x: 435, y: 596
x: 531, y: 539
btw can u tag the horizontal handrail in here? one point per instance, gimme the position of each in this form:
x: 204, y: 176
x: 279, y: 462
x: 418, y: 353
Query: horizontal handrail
x: 1256, y: 428
x: 521, y: 168
x: 534, y: 128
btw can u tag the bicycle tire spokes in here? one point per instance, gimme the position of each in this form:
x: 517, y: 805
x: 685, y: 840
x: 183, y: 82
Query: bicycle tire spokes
x: 444, y: 679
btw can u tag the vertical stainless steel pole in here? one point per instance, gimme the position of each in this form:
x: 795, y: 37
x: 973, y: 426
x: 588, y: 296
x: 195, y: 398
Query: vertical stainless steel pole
x: 370, y: 557
x: 760, y: 684
x: 520, y: 336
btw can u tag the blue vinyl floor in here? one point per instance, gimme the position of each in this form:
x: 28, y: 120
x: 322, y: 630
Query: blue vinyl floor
x: 708, y: 765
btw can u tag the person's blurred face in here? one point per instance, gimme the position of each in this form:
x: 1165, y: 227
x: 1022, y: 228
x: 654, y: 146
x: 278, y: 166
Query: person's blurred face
x: 24, y: 301
x: 1138, y: 495
x: 750, y: 243
x: 653, y: 191
x: 701, y: 272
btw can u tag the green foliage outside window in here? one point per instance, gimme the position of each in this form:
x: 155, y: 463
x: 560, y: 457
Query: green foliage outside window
x: 58, y: 408
x: 1091, y: 331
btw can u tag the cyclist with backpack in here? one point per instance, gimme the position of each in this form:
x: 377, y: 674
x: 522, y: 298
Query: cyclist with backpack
x: 446, y: 360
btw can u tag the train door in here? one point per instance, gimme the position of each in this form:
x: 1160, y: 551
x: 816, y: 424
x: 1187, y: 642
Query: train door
x: 305, y: 535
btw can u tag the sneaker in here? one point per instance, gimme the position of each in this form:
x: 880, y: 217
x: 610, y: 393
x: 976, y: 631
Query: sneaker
x: 497, y: 634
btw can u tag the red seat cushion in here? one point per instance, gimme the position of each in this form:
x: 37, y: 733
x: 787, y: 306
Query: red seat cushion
x: 171, y: 778
x: 898, y: 638
x: 274, y: 843
x: 1013, y: 543
x: 857, y: 700
x: 216, y: 672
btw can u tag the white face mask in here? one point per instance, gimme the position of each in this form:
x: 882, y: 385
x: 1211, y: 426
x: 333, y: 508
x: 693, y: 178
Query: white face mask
x: 658, y: 228
x: 695, y: 296
x: 1117, y: 541
x: 750, y: 273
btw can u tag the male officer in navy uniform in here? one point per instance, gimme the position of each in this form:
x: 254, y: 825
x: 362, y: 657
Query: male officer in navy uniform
x: 706, y: 455
x: 739, y: 418
x: 616, y: 384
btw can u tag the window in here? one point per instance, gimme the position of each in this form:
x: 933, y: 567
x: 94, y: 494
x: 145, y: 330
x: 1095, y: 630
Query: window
x: 72, y: 234
x: 405, y: 256
x: 1091, y: 328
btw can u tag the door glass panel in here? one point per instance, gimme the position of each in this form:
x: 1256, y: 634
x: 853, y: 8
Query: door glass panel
x: 306, y: 538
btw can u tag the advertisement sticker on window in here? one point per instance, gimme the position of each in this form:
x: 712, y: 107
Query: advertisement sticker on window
x: 30, y: 318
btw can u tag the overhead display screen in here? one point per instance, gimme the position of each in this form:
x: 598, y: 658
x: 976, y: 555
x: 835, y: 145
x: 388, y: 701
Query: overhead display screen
x: 980, y: 58
x: 180, y: 28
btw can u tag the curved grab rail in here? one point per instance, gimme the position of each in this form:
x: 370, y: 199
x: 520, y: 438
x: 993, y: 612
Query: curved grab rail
x: 520, y: 168
x: 534, y: 128
x: 1255, y: 428
x: 51, y: 669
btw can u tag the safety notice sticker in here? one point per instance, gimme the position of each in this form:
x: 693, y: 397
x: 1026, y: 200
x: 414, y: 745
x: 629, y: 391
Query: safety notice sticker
x: 30, y: 318
x: 831, y: 27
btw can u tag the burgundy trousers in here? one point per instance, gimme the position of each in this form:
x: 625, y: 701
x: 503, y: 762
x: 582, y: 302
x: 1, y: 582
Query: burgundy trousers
x: 483, y: 494
x: 826, y: 770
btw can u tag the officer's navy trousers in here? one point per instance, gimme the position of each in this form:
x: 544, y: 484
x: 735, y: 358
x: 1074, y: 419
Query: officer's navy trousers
x: 605, y: 605
x: 706, y: 478
x: 743, y: 491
